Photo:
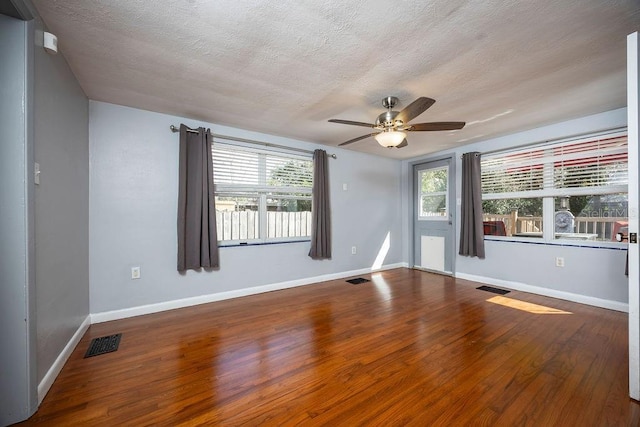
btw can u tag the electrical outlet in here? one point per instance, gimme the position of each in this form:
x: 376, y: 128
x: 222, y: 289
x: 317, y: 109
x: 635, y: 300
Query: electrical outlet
x: 135, y: 273
x: 559, y: 261
x: 353, y: 250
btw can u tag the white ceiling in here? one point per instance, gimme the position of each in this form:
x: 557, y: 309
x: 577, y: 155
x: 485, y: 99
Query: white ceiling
x: 286, y: 67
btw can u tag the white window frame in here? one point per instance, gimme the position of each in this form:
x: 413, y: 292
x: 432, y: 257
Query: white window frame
x: 548, y: 190
x: 444, y: 193
x: 261, y: 190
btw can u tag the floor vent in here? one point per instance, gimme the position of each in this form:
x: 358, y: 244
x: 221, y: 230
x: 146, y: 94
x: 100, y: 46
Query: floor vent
x: 357, y: 280
x: 494, y: 290
x: 103, y: 345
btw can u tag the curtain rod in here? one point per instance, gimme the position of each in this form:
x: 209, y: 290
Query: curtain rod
x: 250, y: 141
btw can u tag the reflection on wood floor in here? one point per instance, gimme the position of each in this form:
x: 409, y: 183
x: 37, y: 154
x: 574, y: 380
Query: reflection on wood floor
x: 407, y: 348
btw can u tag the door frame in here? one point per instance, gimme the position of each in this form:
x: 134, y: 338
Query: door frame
x: 452, y: 158
x: 633, y: 118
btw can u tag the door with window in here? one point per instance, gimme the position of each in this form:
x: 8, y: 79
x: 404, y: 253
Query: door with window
x: 433, y: 216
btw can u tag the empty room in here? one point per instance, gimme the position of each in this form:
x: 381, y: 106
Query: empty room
x: 319, y: 213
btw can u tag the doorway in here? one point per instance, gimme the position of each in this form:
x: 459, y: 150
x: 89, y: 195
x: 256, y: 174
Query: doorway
x: 433, y: 216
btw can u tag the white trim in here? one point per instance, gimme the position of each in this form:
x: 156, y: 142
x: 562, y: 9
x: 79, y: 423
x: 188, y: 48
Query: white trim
x: 568, y: 296
x: 54, y: 370
x: 633, y: 117
x: 108, y: 316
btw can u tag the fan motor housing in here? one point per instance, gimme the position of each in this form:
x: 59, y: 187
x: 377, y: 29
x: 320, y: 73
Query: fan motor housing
x: 387, y: 120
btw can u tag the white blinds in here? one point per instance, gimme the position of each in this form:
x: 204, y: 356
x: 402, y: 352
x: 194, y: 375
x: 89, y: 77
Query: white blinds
x: 235, y: 166
x: 247, y: 170
x: 597, y: 165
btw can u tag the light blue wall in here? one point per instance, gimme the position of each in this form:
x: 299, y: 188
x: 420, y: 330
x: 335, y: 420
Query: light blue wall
x: 18, y: 398
x: 133, y: 205
x: 593, y: 273
x: 61, y: 135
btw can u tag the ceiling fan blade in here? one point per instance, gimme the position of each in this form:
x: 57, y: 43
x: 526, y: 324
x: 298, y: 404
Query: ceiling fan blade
x: 349, y: 122
x: 433, y: 126
x: 414, y: 109
x: 402, y: 144
x: 356, y: 139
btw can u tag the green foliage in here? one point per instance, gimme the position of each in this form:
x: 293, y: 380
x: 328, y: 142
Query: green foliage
x: 577, y: 204
x: 524, y: 207
x: 434, y: 181
x: 294, y: 173
x: 283, y: 176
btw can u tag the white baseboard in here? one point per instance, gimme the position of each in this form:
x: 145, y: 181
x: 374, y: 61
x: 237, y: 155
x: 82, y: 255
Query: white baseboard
x: 107, y: 316
x: 54, y: 370
x: 568, y: 296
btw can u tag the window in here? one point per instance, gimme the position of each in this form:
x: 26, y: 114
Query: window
x: 261, y: 196
x: 572, y: 189
x: 434, y: 193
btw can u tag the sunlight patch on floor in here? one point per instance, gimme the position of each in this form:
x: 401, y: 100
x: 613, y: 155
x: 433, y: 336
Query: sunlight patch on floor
x: 526, y: 306
x: 382, y: 286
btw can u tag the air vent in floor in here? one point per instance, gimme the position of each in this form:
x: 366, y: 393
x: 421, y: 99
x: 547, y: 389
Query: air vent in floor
x: 103, y: 345
x: 493, y: 290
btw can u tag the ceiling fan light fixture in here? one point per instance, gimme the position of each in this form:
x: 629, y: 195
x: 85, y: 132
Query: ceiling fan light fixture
x: 391, y: 138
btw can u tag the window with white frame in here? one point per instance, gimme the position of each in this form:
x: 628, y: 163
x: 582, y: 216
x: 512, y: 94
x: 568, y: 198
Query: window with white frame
x: 434, y: 193
x: 571, y: 189
x: 261, y: 196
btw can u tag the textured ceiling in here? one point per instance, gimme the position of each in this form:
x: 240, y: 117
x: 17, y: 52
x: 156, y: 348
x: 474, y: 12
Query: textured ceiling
x: 286, y: 67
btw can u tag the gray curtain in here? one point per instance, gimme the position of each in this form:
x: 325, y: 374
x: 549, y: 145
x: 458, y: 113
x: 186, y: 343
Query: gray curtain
x: 197, y: 235
x: 471, y: 230
x: 320, y: 208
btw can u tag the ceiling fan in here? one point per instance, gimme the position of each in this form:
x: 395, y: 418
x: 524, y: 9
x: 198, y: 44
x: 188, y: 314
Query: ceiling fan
x: 393, y: 125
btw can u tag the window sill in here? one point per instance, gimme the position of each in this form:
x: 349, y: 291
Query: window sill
x: 559, y: 242
x: 267, y: 243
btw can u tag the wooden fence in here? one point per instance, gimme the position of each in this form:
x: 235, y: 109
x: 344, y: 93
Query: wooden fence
x: 245, y: 225
x: 604, y: 227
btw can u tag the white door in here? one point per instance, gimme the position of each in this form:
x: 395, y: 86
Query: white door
x: 434, y: 190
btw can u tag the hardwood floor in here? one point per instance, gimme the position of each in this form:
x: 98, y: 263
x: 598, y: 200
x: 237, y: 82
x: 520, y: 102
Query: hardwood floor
x: 407, y: 348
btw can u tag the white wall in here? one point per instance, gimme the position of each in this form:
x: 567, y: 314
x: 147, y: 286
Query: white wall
x: 133, y: 204
x: 593, y: 275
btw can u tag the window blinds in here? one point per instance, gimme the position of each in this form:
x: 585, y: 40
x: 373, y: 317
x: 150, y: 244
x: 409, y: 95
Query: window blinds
x: 245, y: 169
x: 598, y: 164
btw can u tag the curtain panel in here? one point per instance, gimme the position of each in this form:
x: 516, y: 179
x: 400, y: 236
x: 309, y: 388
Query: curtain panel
x: 197, y: 235
x: 471, y: 230
x: 320, y: 208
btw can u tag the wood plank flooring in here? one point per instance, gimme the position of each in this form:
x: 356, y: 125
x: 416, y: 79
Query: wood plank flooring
x: 407, y: 348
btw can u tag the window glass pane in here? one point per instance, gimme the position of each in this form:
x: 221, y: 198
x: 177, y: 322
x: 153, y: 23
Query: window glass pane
x: 434, y: 180
x: 282, y: 171
x: 261, y: 195
x: 237, y: 217
x: 595, y: 217
x: 433, y: 185
x: 288, y: 217
x: 513, y: 217
x: 433, y: 206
